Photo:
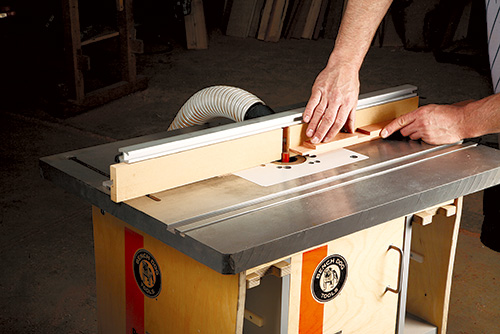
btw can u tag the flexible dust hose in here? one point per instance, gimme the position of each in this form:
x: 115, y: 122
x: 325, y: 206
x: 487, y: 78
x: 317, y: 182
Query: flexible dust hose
x: 219, y: 101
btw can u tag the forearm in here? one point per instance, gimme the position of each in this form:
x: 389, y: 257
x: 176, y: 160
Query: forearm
x: 446, y: 124
x: 359, y: 24
x: 481, y: 117
x: 334, y: 94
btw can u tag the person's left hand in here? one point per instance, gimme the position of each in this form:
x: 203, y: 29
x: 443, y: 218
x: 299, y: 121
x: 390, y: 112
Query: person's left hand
x: 434, y: 124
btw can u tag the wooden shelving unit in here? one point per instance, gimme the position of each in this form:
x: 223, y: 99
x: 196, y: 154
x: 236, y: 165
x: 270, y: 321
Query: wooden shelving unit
x: 78, y: 62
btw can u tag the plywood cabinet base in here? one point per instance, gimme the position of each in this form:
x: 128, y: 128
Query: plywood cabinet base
x: 340, y: 287
x: 429, y: 282
x: 144, y: 285
x: 343, y: 286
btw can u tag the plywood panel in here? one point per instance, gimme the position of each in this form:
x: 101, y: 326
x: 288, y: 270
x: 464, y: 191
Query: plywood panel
x: 110, y: 268
x: 429, y: 282
x: 192, y: 299
x: 363, y: 305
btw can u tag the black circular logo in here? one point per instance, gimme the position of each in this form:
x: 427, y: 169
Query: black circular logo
x: 147, y: 273
x: 329, y: 278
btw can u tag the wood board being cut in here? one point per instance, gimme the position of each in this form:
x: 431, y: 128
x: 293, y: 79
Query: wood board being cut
x: 368, y: 124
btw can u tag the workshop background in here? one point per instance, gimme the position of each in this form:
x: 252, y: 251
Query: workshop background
x: 75, y: 75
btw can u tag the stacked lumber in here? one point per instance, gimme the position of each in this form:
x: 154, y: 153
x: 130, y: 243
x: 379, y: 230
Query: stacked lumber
x: 270, y: 20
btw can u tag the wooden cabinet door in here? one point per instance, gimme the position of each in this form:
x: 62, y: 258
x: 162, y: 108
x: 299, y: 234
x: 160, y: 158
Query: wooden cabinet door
x: 175, y: 295
x: 340, y: 287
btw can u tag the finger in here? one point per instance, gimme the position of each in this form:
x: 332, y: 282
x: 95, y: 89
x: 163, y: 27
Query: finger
x: 408, y: 130
x: 414, y: 136
x: 325, y: 125
x: 313, y: 102
x: 396, y: 125
x: 316, y: 119
x: 340, y: 121
x: 350, y: 124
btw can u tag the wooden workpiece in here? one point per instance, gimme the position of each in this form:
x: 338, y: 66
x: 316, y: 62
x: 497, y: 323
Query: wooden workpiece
x: 373, y: 129
x: 368, y: 124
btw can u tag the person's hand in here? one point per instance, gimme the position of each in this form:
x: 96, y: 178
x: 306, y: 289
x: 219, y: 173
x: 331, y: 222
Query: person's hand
x: 332, y: 103
x: 434, y: 124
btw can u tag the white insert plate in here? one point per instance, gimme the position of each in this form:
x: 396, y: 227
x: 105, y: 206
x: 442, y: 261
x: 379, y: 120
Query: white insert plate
x: 271, y: 173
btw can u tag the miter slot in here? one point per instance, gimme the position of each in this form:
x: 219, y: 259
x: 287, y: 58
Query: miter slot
x: 313, y: 188
x: 83, y: 163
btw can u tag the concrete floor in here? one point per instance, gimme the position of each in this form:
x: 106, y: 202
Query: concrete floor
x: 47, y: 281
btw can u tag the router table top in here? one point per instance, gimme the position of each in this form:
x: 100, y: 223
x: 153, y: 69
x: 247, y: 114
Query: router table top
x: 231, y: 224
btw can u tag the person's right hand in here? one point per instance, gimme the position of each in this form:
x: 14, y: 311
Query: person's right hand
x: 333, y: 102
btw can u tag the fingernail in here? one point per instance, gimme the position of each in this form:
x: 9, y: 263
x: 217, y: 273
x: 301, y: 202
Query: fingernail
x: 306, y: 119
x: 309, y: 133
x: 315, y: 140
x: 383, y: 133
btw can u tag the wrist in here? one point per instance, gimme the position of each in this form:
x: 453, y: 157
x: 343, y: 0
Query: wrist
x: 467, y: 127
x: 350, y: 61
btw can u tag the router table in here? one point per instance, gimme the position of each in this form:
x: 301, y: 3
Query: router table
x: 356, y: 238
